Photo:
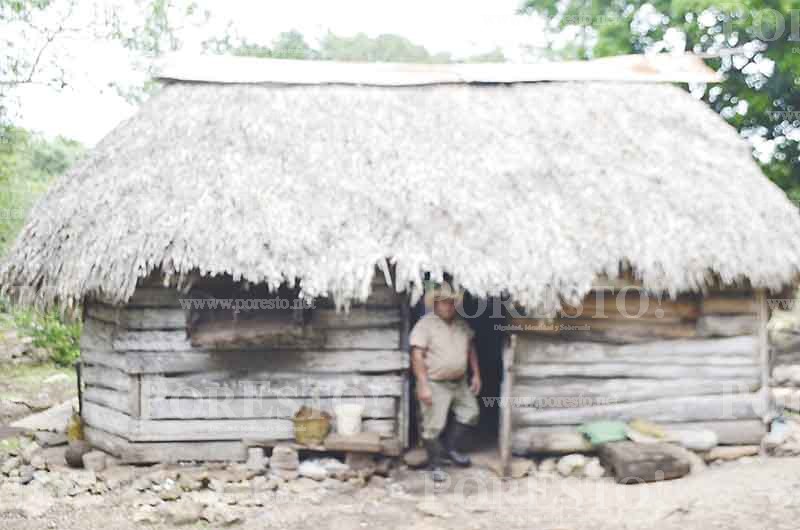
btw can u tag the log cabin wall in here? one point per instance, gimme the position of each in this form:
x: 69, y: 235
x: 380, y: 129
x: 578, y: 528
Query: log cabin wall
x: 151, y: 396
x: 694, y: 362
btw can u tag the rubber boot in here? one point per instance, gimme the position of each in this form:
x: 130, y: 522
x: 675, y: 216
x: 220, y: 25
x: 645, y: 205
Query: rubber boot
x: 434, y: 450
x: 455, y: 442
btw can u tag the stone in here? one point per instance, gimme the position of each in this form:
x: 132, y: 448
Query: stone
x: 284, y: 474
x: 182, y: 512
x: 56, y: 379
x: 593, y: 470
x: 26, y: 475
x: 118, y: 476
x: 84, y: 479
x: 94, y: 461
x: 256, y: 460
x: 146, y: 499
x: 284, y: 457
x: 377, y: 481
x: 75, y: 451
x: 571, y: 465
x: 38, y: 462
x: 303, y: 485
x: 312, y: 469
x: 696, y: 462
x: 169, y: 491
x: 434, y: 508
x: 189, y: 482
x: 731, y: 452
x: 383, y: 467
x: 28, y: 451
x: 221, y: 515
x: 147, y: 515
x: 260, y: 484
x: 141, y: 484
x: 50, y: 439
x: 10, y: 464
x: 547, y: 466
x: 416, y: 457
x: 633, y: 463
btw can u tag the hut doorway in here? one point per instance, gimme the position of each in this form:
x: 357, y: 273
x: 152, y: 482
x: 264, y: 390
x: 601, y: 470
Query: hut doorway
x: 489, y: 339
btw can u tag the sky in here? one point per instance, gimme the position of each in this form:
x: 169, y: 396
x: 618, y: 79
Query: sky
x: 89, y: 108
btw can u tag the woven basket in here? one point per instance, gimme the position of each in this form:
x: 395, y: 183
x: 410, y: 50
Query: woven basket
x: 311, y: 426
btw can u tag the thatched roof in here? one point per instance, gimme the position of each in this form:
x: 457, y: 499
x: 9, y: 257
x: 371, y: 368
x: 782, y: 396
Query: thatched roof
x: 522, y: 188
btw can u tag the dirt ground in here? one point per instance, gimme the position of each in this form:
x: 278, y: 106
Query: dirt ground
x: 756, y: 494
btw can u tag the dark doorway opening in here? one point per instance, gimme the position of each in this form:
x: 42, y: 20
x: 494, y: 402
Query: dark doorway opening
x: 487, y: 321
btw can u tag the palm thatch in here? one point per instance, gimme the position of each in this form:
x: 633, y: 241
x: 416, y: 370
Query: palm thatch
x: 532, y: 189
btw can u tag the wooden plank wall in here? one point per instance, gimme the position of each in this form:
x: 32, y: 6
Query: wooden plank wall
x: 145, y: 383
x: 692, y: 362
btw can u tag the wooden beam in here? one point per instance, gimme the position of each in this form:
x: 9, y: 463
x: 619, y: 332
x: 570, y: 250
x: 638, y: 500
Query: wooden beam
x: 763, y: 348
x: 506, y: 417
x: 345, y: 361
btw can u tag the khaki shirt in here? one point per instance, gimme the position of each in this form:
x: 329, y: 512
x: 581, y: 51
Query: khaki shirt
x: 446, y: 346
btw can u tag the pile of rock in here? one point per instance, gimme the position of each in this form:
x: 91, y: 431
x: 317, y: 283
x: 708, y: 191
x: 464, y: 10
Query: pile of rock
x: 18, y: 349
x: 572, y: 465
x: 184, y: 494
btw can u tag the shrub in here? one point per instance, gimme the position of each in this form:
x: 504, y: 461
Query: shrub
x: 52, y: 332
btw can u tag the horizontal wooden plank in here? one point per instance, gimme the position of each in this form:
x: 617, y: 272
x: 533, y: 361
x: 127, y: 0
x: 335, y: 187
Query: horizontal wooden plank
x: 107, y: 419
x: 643, y: 370
x: 332, y: 339
x: 97, y: 335
x: 272, y: 384
x: 133, y: 318
x: 105, y: 358
x: 380, y: 296
x: 357, y: 317
x: 678, y: 409
x: 166, y: 452
x: 114, y: 399
x: 728, y: 351
x: 155, y: 297
x: 633, y: 303
x: 624, y: 390
x: 729, y: 305
x: 727, y: 325
x: 604, y: 330
x: 106, y: 377
x: 245, y: 408
x: 343, y: 361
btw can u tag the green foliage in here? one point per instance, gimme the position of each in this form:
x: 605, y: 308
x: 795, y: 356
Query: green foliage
x: 358, y: 48
x: 757, y: 42
x: 28, y: 162
x: 52, y: 332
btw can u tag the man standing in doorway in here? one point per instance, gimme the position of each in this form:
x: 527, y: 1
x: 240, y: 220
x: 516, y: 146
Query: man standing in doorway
x: 441, y: 349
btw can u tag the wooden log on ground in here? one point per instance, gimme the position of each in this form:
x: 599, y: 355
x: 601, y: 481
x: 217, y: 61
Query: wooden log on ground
x: 633, y: 463
x: 347, y: 361
x: 682, y: 409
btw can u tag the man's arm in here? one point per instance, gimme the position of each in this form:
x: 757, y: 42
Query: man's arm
x: 475, y: 382
x: 421, y: 373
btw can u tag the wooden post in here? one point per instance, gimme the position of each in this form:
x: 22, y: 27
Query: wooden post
x: 506, y: 406
x: 763, y: 346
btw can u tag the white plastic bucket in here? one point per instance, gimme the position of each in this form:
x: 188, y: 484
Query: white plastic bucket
x: 348, y: 418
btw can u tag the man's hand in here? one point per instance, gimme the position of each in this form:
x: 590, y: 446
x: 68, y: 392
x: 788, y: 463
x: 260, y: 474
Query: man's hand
x: 424, y: 393
x: 475, y: 384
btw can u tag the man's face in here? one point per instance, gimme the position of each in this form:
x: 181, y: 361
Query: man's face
x: 445, y: 309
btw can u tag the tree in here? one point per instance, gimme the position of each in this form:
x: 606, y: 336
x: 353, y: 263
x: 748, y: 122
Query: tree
x: 754, y: 43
